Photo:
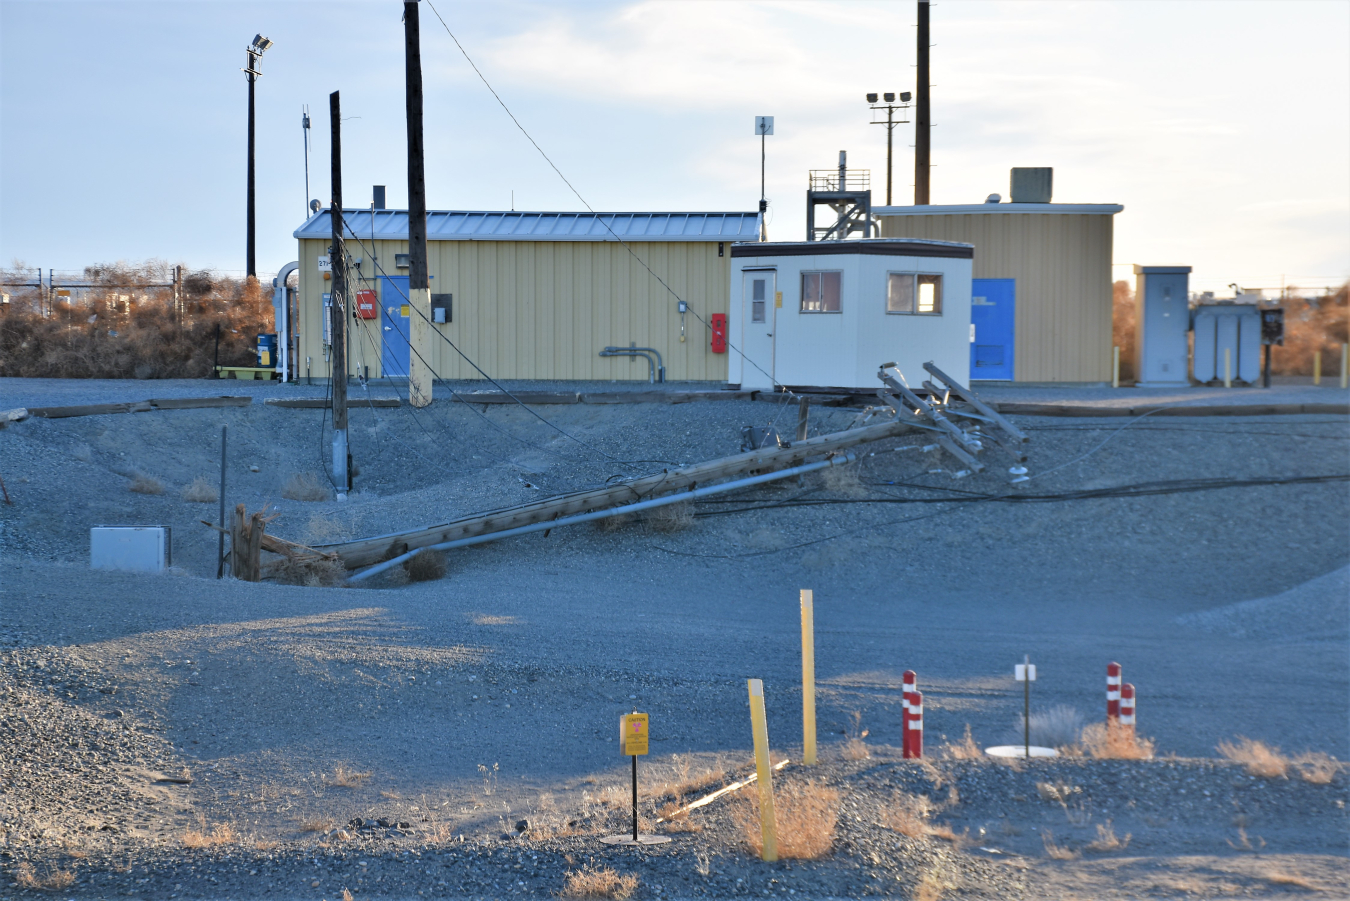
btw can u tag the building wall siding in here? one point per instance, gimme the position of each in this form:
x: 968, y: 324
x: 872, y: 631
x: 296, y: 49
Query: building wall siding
x: 1062, y: 265
x: 545, y: 309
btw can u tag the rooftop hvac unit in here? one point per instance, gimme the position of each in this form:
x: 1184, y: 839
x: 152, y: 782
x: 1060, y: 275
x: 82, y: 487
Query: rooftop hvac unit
x: 1032, y: 185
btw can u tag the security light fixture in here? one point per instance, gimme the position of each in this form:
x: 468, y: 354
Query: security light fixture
x: 904, y: 96
x: 889, y: 106
x: 890, y: 96
x: 872, y: 98
x: 261, y: 44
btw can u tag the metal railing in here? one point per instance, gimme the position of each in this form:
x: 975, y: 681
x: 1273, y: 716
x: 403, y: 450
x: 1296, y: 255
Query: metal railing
x: 828, y: 180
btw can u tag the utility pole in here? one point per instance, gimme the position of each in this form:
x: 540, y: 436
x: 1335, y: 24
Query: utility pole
x: 338, y: 260
x: 419, y: 285
x: 304, y: 126
x: 252, y: 73
x: 922, y: 116
x: 763, y: 128
x: 890, y: 107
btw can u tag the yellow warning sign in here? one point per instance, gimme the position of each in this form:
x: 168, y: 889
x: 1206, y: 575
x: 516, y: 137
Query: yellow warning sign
x: 405, y: 311
x: 633, y: 734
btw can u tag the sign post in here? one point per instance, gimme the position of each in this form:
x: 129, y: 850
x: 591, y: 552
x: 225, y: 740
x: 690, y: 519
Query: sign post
x: 1025, y: 673
x: 633, y: 741
x: 759, y: 731
x: 1272, y: 332
x: 808, y: 676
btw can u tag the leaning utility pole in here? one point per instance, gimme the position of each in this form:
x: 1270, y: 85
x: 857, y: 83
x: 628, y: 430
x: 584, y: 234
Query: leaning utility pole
x: 419, y: 286
x: 338, y: 261
x: 922, y: 118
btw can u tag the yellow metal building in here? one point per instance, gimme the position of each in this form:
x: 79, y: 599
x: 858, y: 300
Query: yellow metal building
x: 1058, y: 258
x: 527, y: 295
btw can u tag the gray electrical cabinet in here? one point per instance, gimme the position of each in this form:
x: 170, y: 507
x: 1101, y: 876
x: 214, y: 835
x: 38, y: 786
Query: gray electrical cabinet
x: 1231, y: 327
x: 1162, y: 326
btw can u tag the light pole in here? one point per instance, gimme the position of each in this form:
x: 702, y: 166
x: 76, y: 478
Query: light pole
x: 763, y: 128
x: 890, y: 106
x: 255, y: 52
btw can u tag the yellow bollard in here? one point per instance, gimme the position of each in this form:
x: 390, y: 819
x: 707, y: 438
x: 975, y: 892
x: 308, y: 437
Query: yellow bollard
x: 1345, y: 365
x: 1317, y: 367
x: 768, y: 826
x: 1115, y: 367
x: 808, y: 678
x: 1228, y: 367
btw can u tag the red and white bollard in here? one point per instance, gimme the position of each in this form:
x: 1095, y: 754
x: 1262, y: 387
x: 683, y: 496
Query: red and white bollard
x: 1127, y: 705
x: 1112, y: 691
x: 910, y: 687
x: 915, y: 729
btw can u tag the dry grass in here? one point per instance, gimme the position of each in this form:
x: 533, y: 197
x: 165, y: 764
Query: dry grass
x: 908, y: 814
x: 324, y: 572
x: 671, y: 518
x: 592, y: 881
x: 347, y: 895
x: 305, y: 486
x: 929, y: 887
x: 1054, y: 851
x: 144, y: 484
x: 615, y: 523
x: 1107, y: 840
x: 806, y: 813
x: 200, y: 491
x: 427, y: 566
x: 201, y: 837
x: 1112, y: 741
x: 843, y: 480
x: 1258, y: 758
x: 854, y: 748
x: 1059, y: 726
x: 345, y: 778
x: 51, y: 881
x: 1279, y: 877
x: 1317, y: 768
x: 316, y: 824
x: 965, y: 749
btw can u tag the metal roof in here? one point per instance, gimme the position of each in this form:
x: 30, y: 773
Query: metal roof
x: 1080, y: 209
x: 891, y: 247
x: 460, y: 225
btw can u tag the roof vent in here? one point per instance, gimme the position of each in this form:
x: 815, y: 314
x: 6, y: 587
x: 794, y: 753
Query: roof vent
x: 993, y: 198
x: 1032, y: 185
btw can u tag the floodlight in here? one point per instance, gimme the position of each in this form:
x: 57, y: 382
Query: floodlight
x: 871, y: 98
x: 261, y: 44
x: 890, y: 96
x: 904, y: 96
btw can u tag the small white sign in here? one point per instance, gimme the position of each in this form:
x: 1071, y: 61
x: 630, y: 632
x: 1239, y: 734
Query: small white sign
x: 325, y: 264
x: 1025, y: 670
x: 764, y: 125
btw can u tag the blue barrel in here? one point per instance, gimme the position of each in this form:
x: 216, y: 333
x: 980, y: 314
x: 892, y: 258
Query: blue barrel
x: 267, y: 351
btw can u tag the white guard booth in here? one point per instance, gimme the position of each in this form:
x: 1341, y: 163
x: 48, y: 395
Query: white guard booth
x: 827, y: 314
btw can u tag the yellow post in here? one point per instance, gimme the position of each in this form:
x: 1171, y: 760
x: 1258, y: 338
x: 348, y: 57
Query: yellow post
x: 1345, y: 365
x: 808, y: 678
x: 1115, y: 367
x: 419, y: 339
x: 1228, y: 367
x: 1317, y: 367
x: 768, y: 826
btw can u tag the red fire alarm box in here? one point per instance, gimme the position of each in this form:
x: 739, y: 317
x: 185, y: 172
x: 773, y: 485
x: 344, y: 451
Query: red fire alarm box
x: 366, y: 306
x: 719, y: 333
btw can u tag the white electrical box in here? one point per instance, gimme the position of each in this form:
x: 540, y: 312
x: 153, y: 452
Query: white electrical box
x: 147, y: 549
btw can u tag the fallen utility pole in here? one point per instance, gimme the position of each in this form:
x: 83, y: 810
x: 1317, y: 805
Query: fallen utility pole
x: 338, y: 260
x: 369, y: 551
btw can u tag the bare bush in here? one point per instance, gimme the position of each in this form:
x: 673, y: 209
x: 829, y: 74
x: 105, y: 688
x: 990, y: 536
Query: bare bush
x: 1055, y: 851
x: 201, y: 837
x: 1258, y: 758
x: 616, y: 522
x: 144, y: 484
x: 427, y: 566
x: 854, y: 747
x: 1059, y: 726
x: 345, y: 778
x: 50, y: 881
x: 593, y: 881
x: 806, y: 814
x: 965, y: 749
x: 306, y: 486
x: 1112, y: 741
x: 671, y: 518
x: 843, y: 480
x: 1317, y: 767
x: 908, y: 814
x: 320, y: 572
x: 1107, y: 841
x: 200, y: 491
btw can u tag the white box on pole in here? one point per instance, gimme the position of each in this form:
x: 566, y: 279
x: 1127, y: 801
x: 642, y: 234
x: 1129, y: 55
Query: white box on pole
x: 1022, y: 670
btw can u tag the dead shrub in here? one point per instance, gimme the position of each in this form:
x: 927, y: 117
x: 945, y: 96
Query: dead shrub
x: 843, y: 480
x: 144, y: 484
x: 427, y: 566
x: 200, y: 491
x: 1059, y: 726
x: 316, y: 824
x: 345, y: 778
x: 854, y: 748
x: 201, y: 837
x: 1258, y: 758
x: 305, y: 486
x: 1317, y: 767
x: 593, y: 881
x: 615, y: 523
x: 929, y: 887
x: 1054, y: 851
x: 1279, y: 877
x: 1112, y: 741
x: 908, y: 814
x: 965, y: 749
x: 51, y: 881
x: 960, y: 840
x: 1107, y: 841
x: 320, y: 572
x: 671, y: 518
x: 806, y: 814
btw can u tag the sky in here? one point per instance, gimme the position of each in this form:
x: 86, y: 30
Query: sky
x: 1222, y: 127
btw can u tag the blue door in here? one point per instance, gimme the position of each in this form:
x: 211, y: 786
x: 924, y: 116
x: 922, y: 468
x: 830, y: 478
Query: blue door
x: 395, y: 325
x: 992, y: 317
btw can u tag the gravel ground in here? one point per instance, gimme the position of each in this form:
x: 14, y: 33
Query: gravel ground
x: 489, y: 696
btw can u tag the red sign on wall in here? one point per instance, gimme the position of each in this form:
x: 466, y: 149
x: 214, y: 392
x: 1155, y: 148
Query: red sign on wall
x: 719, y: 333
x: 366, y: 305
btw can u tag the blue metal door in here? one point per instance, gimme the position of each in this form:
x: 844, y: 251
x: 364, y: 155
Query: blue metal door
x: 992, y: 318
x: 395, y: 325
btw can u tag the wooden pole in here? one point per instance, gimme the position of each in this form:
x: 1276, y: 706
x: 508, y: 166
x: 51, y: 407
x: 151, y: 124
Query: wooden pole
x: 238, y: 540
x: 419, y: 285
x: 220, y: 553
x: 808, y: 678
x: 256, y: 527
x: 922, y: 114
x: 803, y: 415
x: 339, y: 309
x: 768, y: 824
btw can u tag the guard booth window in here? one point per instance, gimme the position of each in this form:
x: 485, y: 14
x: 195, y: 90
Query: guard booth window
x: 908, y: 292
x: 820, y: 292
x: 757, y: 299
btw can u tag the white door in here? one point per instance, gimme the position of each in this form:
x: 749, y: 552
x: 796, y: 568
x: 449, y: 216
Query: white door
x: 759, y: 313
